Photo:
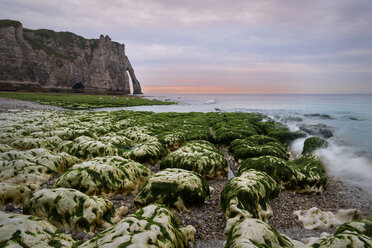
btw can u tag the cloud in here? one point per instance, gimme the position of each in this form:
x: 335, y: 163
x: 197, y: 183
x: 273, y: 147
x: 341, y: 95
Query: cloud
x: 243, y: 42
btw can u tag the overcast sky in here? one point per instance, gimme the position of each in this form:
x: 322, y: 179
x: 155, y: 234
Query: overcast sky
x: 239, y: 46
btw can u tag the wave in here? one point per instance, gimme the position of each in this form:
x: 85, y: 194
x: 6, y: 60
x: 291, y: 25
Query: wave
x: 344, y: 163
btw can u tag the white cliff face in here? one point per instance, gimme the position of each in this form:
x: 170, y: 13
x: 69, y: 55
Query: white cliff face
x: 59, y: 60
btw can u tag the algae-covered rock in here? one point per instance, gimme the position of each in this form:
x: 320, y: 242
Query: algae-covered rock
x: 356, y: 234
x: 87, y: 147
x: 249, y: 232
x: 301, y: 175
x: 18, y: 230
x: 226, y: 134
x: 174, y: 188
x: 148, y: 152
x: 151, y: 226
x: 5, y: 148
x: 34, y: 166
x: 279, y: 131
x: 310, y: 176
x: 248, y: 195
x: 14, y: 194
x: 27, y: 143
x: 174, y: 140
x: 199, y: 156
x: 256, y: 146
x: 313, y: 143
x: 314, y: 218
x: 105, y: 176
x: 70, y: 209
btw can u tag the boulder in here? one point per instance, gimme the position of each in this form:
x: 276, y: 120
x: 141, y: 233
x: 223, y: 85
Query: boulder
x: 70, y: 209
x: 199, y: 156
x: 105, y: 176
x: 256, y: 146
x: 249, y: 232
x: 302, y: 175
x: 313, y: 143
x: 151, y: 226
x: 248, y: 195
x: 176, y: 188
x: 18, y: 230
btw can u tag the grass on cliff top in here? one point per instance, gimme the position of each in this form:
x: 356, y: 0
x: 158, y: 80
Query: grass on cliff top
x: 82, y: 101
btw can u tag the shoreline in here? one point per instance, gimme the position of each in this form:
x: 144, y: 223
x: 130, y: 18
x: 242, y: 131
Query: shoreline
x: 209, y: 220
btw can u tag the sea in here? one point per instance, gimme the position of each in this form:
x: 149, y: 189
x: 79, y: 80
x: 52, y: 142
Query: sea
x: 345, y: 121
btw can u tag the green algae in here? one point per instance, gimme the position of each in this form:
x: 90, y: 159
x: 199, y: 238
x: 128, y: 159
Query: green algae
x: 199, y: 156
x: 313, y: 143
x: 248, y: 195
x: 151, y: 226
x: 70, y: 209
x: 176, y: 188
x: 305, y: 174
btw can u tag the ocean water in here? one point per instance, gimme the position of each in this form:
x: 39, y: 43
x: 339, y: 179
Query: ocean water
x: 344, y: 120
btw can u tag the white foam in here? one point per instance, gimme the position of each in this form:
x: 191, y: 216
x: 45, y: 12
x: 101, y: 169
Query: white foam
x: 297, y: 146
x: 343, y: 162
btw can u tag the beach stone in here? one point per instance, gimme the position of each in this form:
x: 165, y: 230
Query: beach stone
x: 18, y: 230
x: 70, y: 209
x: 81, y: 235
x: 174, y: 188
x: 256, y: 146
x: 248, y: 195
x: 105, y: 176
x: 153, y: 224
x: 250, y: 232
x: 199, y: 156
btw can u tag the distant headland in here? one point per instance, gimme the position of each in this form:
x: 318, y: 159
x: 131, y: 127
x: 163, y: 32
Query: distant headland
x: 45, y: 60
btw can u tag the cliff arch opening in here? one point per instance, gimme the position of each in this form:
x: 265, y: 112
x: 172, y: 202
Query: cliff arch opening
x: 78, y: 87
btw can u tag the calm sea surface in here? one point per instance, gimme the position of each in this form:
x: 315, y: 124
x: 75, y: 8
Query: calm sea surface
x: 349, y: 117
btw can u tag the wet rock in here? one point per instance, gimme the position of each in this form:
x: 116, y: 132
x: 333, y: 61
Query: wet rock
x: 321, y: 116
x: 320, y: 130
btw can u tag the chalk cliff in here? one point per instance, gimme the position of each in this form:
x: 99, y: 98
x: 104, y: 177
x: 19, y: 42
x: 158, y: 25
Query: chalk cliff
x: 47, y: 60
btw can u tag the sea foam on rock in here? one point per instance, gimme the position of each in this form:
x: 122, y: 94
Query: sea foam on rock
x: 314, y: 218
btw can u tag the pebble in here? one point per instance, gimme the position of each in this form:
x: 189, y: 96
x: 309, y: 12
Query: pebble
x: 9, y: 207
x: 81, y: 235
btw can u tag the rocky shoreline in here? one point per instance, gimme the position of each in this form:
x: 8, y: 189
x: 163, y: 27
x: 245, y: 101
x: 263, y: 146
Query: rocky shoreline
x: 210, y: 222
